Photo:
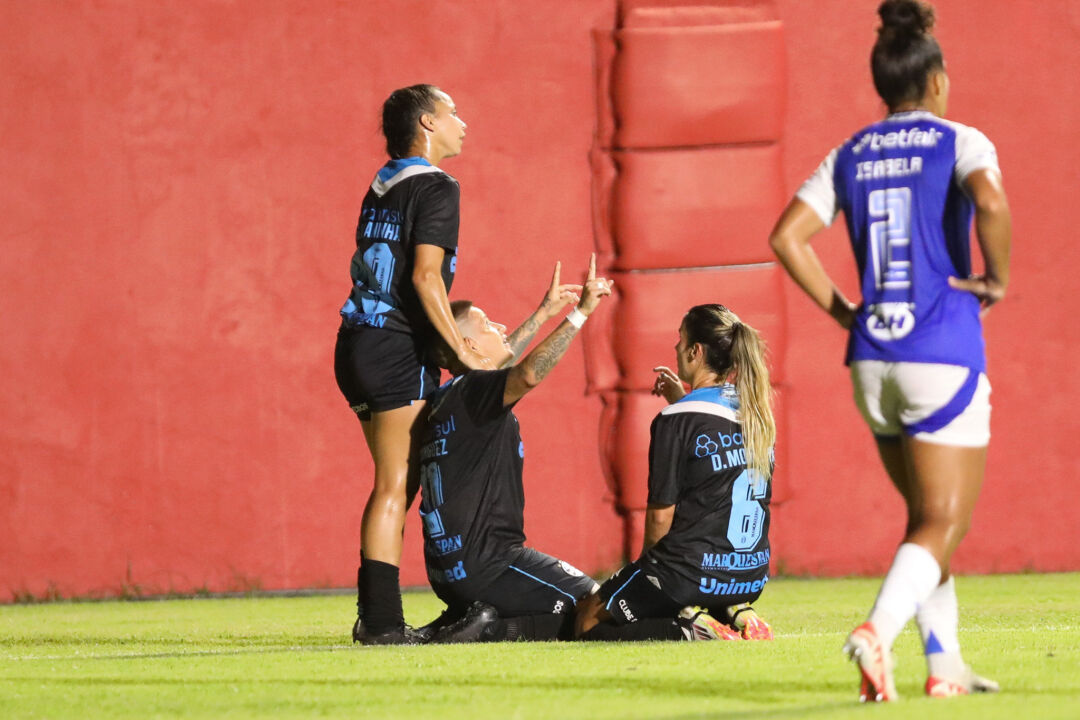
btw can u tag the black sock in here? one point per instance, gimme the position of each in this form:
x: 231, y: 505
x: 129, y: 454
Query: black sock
x: 644, y: 629
x: 360, y: 590
x: 539, y: 627
x: 381, y: 596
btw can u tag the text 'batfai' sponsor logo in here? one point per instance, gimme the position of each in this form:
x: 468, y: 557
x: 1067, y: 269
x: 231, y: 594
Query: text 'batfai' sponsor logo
x: 913, y: 138
x: 734, y: 560
x: 712, y: 586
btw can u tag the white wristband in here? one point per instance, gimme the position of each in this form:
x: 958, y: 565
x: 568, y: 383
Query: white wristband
x: 576, y: 318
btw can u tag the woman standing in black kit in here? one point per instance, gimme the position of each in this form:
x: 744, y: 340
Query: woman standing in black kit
x: 404, y: 264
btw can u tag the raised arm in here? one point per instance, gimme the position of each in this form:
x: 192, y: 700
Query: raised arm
x: 668, y: 385
x: 790, y: 240
x: 531, y: 371
x: 557, y: 297
x: 428, y: 281
x: 993, y: 227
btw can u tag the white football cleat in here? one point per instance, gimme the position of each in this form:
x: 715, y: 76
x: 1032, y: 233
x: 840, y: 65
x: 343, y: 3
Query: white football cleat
x: 938, y: 687
x: 875, y: 664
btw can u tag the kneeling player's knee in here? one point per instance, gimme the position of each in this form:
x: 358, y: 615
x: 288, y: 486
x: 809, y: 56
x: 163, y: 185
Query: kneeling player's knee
x: 586, y: 614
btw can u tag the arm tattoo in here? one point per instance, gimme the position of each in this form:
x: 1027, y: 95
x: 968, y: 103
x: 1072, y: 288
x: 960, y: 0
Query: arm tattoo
x: 548, y: 353
x: 520, y: 338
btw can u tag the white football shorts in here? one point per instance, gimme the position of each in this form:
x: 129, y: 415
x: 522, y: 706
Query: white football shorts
x: 944, y: 404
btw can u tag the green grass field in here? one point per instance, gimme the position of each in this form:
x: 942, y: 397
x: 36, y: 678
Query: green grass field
x: 290, y: 657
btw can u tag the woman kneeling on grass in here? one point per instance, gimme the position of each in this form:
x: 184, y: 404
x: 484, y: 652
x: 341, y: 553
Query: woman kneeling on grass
x: 706, y: 550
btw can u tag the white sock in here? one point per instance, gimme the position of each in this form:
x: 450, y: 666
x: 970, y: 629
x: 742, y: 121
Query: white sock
x: 913, y: 576
x: 938, y: 619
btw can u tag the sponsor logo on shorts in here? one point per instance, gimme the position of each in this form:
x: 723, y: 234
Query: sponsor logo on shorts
x: 361, y: 408
x: 626, y: 611
x: 559, y: 605
x: 712, y: 586
x: 570, y: 569
x: 734, y: 560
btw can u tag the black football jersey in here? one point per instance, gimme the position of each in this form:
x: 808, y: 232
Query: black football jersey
x: 473, y: 501
x: 718, y: 543
x: 409, y: 203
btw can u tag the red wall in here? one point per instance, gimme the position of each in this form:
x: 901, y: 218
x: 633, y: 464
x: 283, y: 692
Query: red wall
x: 179, y: 197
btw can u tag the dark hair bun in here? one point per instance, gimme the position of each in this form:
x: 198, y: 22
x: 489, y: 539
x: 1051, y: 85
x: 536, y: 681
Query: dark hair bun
x: 905, y: 18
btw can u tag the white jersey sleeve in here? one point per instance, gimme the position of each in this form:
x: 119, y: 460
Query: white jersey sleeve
x: 819, y: 191
x: 974, y: 151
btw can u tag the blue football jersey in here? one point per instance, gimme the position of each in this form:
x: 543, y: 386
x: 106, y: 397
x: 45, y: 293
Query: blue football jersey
x: 899, y: 183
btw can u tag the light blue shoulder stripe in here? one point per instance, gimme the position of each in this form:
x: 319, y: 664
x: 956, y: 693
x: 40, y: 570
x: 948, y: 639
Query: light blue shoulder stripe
x: 397, y: 170
x: 721, y: 400
x: 701, y: 406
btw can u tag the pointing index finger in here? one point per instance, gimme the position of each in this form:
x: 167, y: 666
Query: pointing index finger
x: 592, y: 267
x: 555, y: 277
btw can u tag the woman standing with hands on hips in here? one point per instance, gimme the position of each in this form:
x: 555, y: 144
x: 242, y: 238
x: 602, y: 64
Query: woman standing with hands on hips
x: 404, y: 264
x: 908, y: 187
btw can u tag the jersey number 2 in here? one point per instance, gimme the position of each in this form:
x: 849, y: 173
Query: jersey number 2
x: 890, y: 237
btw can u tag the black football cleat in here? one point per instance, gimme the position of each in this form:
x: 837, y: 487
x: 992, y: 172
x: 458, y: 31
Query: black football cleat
x: 426, y: 632
x: 358, y: 630
x: 480, y: 624
x: 403, y: 635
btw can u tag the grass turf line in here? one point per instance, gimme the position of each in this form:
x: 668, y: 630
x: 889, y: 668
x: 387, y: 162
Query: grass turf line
x: 292, y: 658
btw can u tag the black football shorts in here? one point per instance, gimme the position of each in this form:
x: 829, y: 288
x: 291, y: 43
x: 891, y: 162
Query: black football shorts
x: 379, y: 370
x: 533, y: 584
x: 629, y: 595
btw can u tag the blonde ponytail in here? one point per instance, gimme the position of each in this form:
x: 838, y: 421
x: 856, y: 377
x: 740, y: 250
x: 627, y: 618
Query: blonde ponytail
x: 733, y: 348
x: 755, y: 397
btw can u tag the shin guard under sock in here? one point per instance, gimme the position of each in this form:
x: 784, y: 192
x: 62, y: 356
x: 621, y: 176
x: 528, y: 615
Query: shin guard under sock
x: 381, y: 596
x: 912, y: 578
x: 539, y: 627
